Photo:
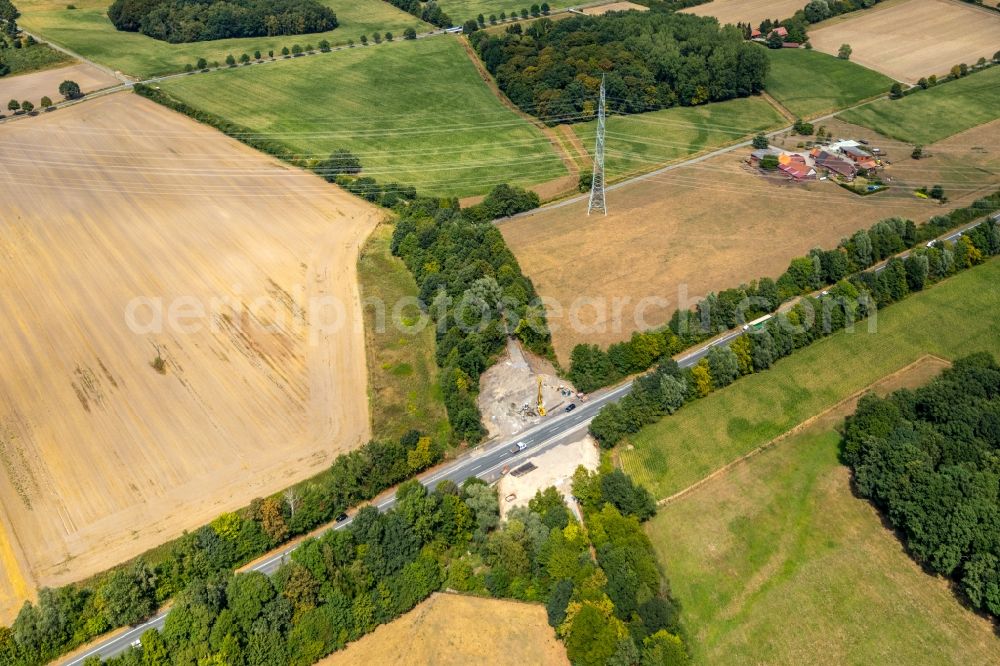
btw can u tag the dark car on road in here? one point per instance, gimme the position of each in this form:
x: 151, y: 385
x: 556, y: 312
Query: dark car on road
x: 342, y: 517
x: 570, y: 407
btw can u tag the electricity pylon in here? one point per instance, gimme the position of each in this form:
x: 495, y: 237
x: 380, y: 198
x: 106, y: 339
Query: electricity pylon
x: 597, y: 181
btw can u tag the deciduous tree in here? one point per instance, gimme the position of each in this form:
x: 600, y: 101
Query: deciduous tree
x: 723, y: 365
x: 702, y: 378
x: 127, y: 595
x: 272, y: 520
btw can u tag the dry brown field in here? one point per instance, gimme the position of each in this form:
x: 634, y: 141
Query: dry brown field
x: 438, y: 631
x: 34, y: 86
x: 103, y: 456
x: 915, y: 38
x: 676, y: 236
x: 747, y: 11
x: 614, y: 7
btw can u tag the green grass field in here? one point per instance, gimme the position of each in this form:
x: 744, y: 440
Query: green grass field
x: 414, y: 112
x: 32, y: 59
x: 954, y: 318
x: 87, y: 31
x: 459, y: 11
x: 776, y: 562
x: 936, y: 113
x: 642, y: 142
x: 402, y: 374
x: 810, y: 83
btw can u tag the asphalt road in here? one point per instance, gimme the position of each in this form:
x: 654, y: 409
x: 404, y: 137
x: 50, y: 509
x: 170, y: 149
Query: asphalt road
x: 952, y: 237
x: 486, y: 462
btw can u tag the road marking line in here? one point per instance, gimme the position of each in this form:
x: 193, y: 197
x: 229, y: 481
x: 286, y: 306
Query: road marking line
x: 535, y: 450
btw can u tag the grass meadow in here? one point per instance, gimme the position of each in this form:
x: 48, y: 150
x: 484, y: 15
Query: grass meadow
x: 33, y: 59
x: 414, y: 112
x: 402, y: 374
x: 460, y: 11
x: 645, y: 141
x: 776, y: 562
x: 936, y: 113
x: 954, y: 318
x: 810, y: 83
x: 86, y: 30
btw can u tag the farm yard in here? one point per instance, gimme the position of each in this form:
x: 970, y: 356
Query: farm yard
x: 915, y: 38
x: 125, y: 421
x: 776, y: 561
x: 809, y: 83
x: 966, y: 164
x: 415, y: 135
x: 716, y: 223
x: 936, y: 113
x: 86, y: 30
x: 680, y: 450
x: 746, y: 11
x: 438, y: 631
x: 642, y: 142
x: 45, y: 83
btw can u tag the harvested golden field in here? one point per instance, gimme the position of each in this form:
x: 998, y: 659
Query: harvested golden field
x: 15, y: 586
x: 672, y: 238
x: 614, y: 7
x: 132, y: 234
x: 438, y: 632
x: 747, y: 11
x: 34, y: 86
x: 914, y: 38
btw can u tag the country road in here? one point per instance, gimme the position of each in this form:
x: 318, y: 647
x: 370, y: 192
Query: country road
x: 485, y: 463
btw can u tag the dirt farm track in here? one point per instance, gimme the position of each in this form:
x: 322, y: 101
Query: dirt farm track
x: 101, y: 455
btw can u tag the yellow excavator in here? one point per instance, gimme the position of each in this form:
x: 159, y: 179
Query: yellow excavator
x: 541, y: 404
